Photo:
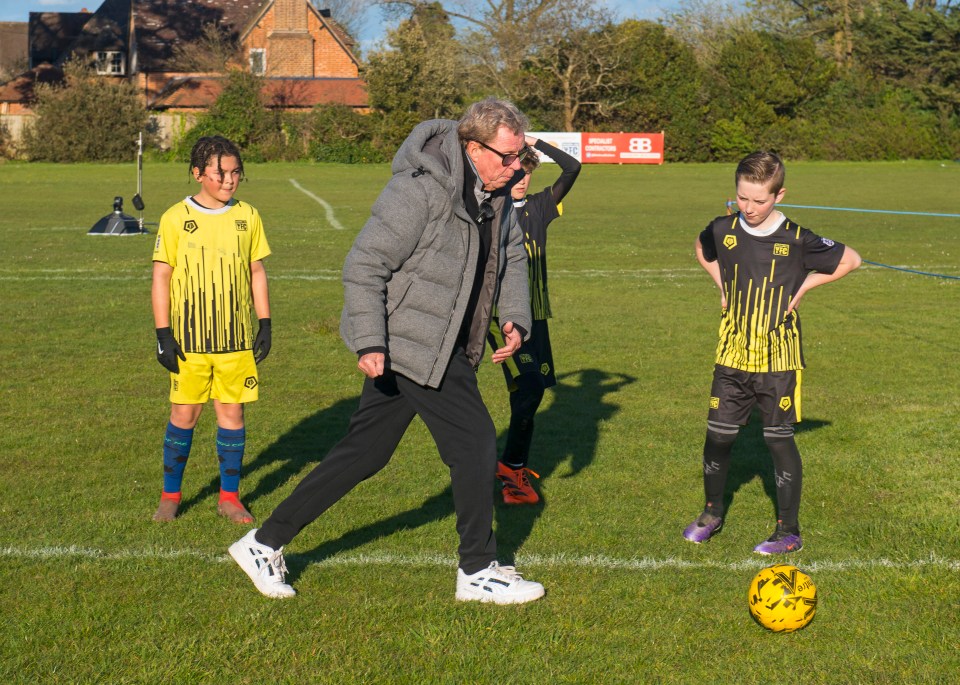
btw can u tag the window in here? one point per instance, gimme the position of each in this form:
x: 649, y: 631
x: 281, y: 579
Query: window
x: 258, y: 61
x: 110, y: 63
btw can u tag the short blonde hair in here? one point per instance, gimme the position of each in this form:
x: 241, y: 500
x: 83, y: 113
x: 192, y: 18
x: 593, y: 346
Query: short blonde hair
x: 482, y: 120
x: 762, y: 167
x: 531, y: 162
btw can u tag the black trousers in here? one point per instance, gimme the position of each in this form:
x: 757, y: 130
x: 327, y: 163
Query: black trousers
x: 465, y: 436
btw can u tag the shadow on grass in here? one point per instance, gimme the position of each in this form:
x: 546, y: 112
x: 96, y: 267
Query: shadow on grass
x: 306, y: 442
x: 566, y: 432
x: 751, y: 459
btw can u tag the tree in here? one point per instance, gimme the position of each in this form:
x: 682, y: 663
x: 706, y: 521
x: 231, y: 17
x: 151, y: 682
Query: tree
x: 575, y: 73
x: 88, y: 118
x: 239, y: 113
x: 918, y: 48
x: 828, y: 22
x: 704, y: 25
x: 661, y: 88
x: 216, y: 48
x: 760, y: 81
x: 419, y: 74
x: 349, y: 14
x: 498, y: 40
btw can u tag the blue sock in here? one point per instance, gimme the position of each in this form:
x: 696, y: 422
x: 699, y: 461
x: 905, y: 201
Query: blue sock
x: 230, y: 446
x: 176, y: 451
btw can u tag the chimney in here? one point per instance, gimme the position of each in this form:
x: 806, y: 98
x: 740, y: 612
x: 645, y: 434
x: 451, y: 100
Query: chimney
x: 290, y: 45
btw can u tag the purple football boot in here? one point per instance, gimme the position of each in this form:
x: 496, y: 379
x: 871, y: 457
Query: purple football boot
x: 705, y: 527
x: 781, y: 542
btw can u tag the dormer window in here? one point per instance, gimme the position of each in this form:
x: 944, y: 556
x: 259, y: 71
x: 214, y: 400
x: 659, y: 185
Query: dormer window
x: 258, y: 61
x: 110, y: 63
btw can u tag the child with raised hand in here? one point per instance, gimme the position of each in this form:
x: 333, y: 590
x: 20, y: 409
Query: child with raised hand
x: 763, y: 263
x: 529, y: 372
x: 207, y: 275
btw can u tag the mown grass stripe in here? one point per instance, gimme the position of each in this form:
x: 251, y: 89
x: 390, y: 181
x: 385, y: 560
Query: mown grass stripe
x: 601, y: 562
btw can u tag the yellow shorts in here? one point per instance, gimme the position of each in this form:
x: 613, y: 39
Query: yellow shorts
x: 230, y: 377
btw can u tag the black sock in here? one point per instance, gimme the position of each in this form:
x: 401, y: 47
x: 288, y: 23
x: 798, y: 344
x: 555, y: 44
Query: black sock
x: 716, y: 463
x: 788, y: 472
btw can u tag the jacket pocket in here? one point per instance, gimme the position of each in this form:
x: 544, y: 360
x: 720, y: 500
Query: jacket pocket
x: 397, y: 289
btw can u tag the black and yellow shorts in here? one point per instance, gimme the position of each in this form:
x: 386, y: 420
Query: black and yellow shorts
x: 533, y: 359
x: 734, y: 394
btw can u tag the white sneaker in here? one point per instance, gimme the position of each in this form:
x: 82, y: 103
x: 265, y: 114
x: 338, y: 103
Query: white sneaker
x: 498, y: 584
x: 263, y: 564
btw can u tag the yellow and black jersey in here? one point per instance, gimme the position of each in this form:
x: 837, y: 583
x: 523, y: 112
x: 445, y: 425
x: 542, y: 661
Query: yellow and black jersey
x: 211, y: 252
x: 760, y: 275
x: 534, y: 216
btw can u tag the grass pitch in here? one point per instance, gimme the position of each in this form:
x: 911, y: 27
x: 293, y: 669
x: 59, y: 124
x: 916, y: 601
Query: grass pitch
x: 93, y: 591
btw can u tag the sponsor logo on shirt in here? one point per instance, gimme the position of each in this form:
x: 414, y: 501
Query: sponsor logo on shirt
x: 730, y: 241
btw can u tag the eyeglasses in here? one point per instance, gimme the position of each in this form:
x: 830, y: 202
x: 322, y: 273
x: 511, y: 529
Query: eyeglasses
x: 508, y: 159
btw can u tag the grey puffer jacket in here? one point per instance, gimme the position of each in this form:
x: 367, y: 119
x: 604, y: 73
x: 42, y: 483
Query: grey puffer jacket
x: 407, y: 279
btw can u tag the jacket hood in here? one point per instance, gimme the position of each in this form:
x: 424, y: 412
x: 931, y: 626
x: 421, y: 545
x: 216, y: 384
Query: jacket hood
x: 433, y: 147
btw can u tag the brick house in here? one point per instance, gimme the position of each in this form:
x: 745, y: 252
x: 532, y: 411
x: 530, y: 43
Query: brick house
x: 305, y: 57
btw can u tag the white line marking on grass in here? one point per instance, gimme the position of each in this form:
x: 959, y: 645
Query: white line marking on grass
x: 602, y: 562
x: 331, y: 219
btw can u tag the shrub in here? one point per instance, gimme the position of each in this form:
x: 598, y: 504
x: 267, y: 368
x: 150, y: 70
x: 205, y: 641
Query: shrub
x: 339, y: 134
x: 88, y: 118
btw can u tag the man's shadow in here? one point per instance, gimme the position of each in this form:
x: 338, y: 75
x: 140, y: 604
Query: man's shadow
x: 306, y: 442
x: 568, y: 431
x: 751, y: 459
x: 565, y: 433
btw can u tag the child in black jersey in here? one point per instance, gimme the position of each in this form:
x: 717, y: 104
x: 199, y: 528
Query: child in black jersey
x: 763, y: 264
x: 530, y: 371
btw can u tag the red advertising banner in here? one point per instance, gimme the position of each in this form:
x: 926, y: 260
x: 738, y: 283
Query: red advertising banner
x: 622, y: 148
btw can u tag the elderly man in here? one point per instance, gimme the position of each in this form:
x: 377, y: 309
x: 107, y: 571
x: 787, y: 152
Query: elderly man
x: 441, y: 250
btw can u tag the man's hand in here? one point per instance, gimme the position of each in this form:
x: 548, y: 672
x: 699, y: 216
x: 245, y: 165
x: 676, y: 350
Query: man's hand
x: 372, y: 364
x: 511, y: 343
x: 168, y: 349
x: 261, y: 346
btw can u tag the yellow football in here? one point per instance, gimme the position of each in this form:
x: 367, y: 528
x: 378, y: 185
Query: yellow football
x: 782, y: 598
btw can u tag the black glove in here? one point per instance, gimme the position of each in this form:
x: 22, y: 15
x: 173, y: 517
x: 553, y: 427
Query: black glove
x: 261, y: 346
x: 168, y: 349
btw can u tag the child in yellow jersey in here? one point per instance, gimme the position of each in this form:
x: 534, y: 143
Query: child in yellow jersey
x: 763, y: 263
x: 207, y: 275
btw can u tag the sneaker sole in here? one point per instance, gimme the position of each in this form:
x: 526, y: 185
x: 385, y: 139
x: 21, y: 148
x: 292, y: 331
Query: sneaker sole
x: 236, y: 551
x: 770, y: 554
x: 489, y: 598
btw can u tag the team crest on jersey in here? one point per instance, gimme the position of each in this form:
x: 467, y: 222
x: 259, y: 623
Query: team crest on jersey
x: 241, y: 224
x: 785, y: 403
x: 781, y: 250
x: 250, y: 383
x: 714, y: 402
x: 190, y: 226
x: 730, y: 241
x: 827, y: 242
x: 526, y: 358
